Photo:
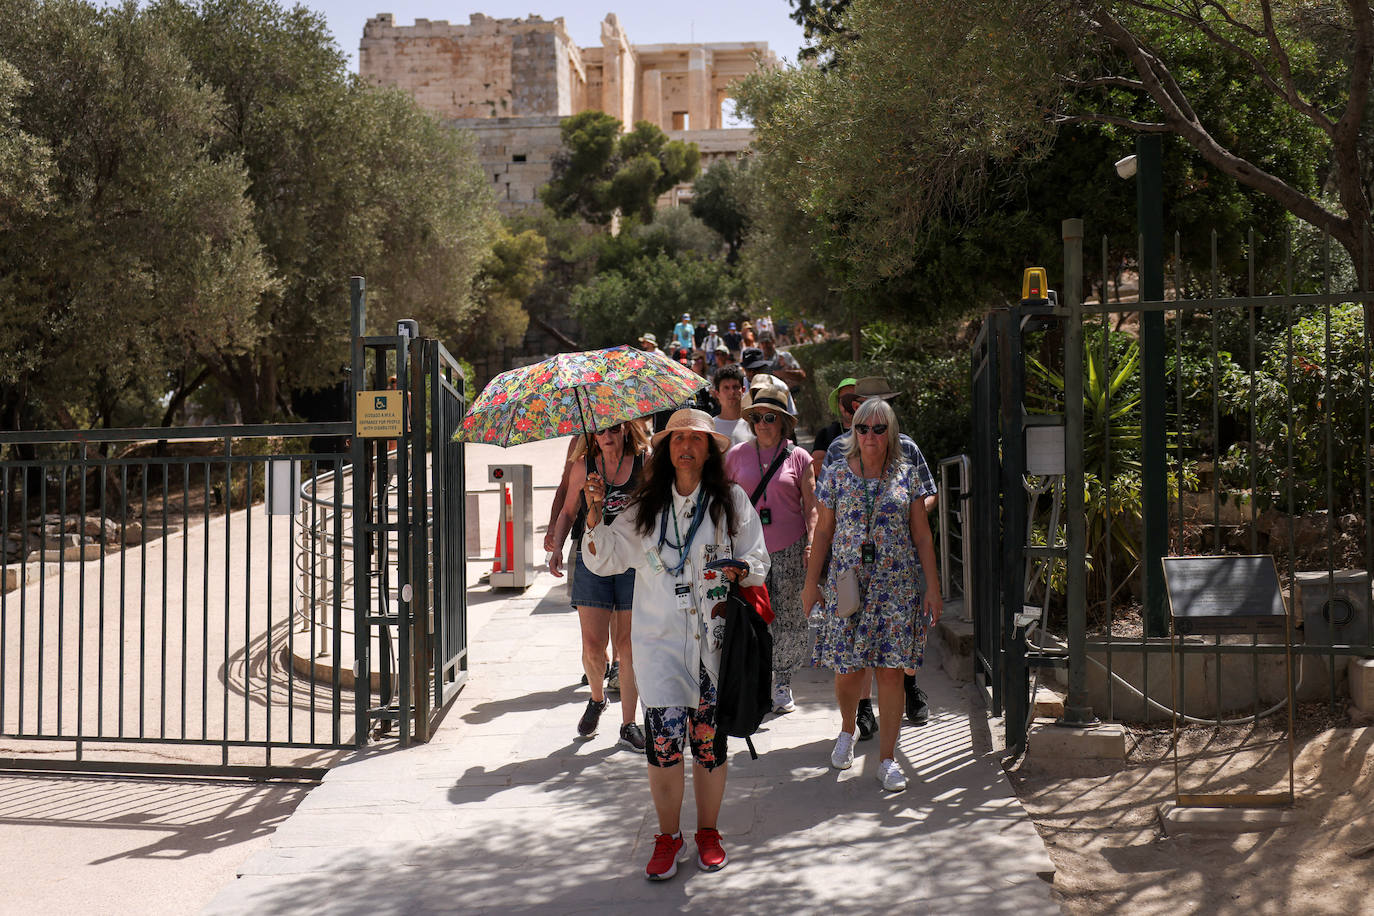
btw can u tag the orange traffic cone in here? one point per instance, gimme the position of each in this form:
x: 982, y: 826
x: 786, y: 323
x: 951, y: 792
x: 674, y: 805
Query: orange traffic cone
x: 500, y: 531
x: 508, y: 513
x: 505, y: 535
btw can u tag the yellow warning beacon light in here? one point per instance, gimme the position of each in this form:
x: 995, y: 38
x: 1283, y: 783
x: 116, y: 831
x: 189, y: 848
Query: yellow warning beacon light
x: 1034, y: 285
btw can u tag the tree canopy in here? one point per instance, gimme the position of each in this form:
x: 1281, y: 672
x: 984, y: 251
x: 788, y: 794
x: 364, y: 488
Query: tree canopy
x: 200, y: 179
x: 940, y: 143
x: 599, y: 171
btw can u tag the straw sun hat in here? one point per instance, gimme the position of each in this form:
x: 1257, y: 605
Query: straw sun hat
x: 769, y: 397
x: 691, y: 420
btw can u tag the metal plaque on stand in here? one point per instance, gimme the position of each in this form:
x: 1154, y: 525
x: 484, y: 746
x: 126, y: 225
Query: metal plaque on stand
x: 1222, y: 596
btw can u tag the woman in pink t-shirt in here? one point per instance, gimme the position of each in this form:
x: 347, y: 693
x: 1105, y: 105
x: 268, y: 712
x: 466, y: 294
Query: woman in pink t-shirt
x: 787, y: 508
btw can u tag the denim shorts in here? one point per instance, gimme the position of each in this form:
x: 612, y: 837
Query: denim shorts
x: 610, y: 593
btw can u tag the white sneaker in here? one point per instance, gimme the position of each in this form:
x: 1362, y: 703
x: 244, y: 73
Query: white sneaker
x: 842, y: 757
x: 891, y: 776
x: 782, y: 700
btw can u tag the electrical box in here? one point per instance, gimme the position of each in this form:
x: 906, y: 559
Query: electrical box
x: 1334, y: 609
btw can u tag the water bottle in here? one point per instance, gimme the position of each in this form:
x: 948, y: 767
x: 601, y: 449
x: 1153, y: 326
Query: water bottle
x: 816, y: 616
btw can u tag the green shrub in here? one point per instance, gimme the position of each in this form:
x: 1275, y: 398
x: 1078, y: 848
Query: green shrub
x: 1338, y: 387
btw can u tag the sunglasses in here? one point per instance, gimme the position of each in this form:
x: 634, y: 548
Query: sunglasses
x: 765, y: 417
x: 850, y: 401
x: 864, y: 429
x: 610, y: 430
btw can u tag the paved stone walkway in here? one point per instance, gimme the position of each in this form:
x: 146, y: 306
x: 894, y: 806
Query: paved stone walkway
x: 507, y: 811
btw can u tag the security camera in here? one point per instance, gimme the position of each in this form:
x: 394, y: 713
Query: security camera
x: 1126, y: 167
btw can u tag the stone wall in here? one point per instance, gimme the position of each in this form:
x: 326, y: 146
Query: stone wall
x: 517, y: 155
x: 490, y: 68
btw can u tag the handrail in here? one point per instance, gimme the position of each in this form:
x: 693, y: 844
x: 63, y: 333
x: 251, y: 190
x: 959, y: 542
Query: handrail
x: 952, y: 511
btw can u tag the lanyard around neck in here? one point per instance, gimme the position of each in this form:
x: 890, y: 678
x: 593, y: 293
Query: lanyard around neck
x: 610, y: 480
x: 683, y: 547
x: 869, y: 497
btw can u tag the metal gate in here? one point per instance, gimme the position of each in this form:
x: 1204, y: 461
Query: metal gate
x: 409, y: 524
x: 221, y: 600
x: 153, y: 601
x: 998, y: 510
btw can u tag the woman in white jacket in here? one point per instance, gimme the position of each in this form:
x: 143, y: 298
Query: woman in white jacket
x: 686, y: 515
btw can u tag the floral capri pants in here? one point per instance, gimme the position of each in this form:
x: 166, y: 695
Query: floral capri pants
x: 667, y: 726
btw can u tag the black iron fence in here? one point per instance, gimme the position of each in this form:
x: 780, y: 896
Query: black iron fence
x: 150, y: 596
x: 238, y: 599
x: 1266, y: 450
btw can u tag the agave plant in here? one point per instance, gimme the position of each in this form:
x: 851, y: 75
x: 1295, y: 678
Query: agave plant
x: 1111, y: 452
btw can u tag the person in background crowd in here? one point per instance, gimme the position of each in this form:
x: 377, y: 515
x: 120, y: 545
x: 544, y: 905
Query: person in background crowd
x: 682, y: 355
x: 724, y: 357
x: 682, y: 333
x: 787, y: 510
x: 747, y: 339
x: 785, y: 365
x: 704, y: 399
x: 759, y: 378
x: 685, y: 516
x: 727, y: 384
x: 712, y: 345
x: 732, y: 339
x: 649, y: 343
x: 872, y: 523
x: 870, y: 387
x: 700, y: 333
x: 753, y: 362
x: 842, y: 404
x: 764, y: 323
x: 614, y: 463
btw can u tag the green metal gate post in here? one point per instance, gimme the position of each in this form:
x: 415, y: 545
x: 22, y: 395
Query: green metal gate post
x: 362, y: 538
x: 1015, y: 675
x: 1149, y: 188
x: 1076, y: 708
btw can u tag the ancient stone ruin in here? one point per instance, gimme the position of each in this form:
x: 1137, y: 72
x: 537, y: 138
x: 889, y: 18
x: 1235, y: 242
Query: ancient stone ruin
x: 511, y: 81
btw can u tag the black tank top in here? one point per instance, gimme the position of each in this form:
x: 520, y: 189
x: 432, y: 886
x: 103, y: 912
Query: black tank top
x: 617, y: 498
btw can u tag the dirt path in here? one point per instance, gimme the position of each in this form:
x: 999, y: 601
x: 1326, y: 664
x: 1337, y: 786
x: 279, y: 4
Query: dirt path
x: 1104, y: 836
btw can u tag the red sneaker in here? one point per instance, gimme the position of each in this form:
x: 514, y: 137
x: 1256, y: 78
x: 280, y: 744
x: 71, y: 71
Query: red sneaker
x: 663, y: 864
x: 710, y: 854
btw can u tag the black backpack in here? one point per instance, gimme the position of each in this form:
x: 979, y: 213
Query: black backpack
x: 744, y: 694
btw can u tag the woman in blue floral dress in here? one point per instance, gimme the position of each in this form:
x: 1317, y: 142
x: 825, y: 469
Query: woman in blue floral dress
x: 872, y: 520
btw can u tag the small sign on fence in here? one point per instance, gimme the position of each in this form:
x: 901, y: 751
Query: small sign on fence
x: 379, y: 414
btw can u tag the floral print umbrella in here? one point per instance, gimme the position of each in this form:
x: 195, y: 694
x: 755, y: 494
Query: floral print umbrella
x: 574, y: 393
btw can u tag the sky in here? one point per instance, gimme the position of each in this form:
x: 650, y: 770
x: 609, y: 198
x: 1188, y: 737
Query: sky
x: 646, y: 22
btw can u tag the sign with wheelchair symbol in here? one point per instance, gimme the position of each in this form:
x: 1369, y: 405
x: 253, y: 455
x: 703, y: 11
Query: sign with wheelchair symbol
x: 379, y: 415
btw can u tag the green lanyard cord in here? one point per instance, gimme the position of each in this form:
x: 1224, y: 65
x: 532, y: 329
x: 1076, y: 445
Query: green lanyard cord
x: 869, y: 498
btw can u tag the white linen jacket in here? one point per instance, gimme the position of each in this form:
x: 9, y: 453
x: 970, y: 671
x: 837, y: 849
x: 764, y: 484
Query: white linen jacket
x: 671, y: 645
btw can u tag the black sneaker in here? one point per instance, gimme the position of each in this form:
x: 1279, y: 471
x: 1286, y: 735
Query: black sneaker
x: 613, y: 678
x: 917, y: 709
x: 586, y: 726
x: 632, y: 736
x: 865, y: 720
